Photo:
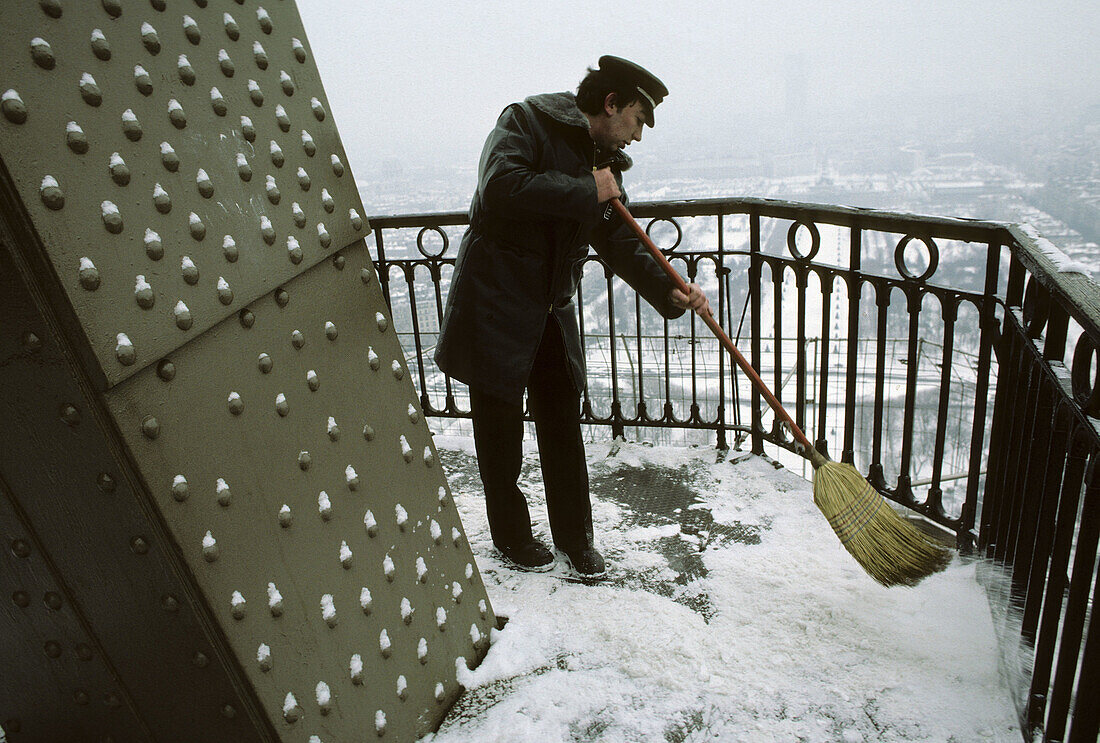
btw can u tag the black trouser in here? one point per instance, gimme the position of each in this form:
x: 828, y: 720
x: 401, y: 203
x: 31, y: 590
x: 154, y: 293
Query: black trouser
x: 498, y: 439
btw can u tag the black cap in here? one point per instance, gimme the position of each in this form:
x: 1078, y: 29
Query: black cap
x: 652, y: 90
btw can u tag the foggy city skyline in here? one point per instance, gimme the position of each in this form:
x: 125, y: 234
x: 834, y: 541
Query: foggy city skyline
x: 422, y: 83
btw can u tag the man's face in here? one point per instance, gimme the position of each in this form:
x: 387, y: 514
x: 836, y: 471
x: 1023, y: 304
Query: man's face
x: 622, y: 126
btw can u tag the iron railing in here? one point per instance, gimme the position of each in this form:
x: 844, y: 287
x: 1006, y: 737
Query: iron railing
x: 898, y: 334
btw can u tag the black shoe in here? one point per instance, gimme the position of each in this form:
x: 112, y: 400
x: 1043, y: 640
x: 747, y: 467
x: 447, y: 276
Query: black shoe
x: 532, y: 556
x: 587, y: 563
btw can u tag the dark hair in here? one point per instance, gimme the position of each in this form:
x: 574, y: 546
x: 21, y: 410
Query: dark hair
x: 597, y: 84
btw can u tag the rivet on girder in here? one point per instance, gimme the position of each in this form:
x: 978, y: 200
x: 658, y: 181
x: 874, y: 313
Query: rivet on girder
x: 20, y: 548
x: 272, y: 188
x: 113, y: 8
x: 469, y: 566
x: 286, y: 518
x: 366, y: 602
x: 52, y: 8
x: 346, y: 555
x: 330, y: 331
x: 324, y: 698
x: 142, y: 81
x: 264, y: 362
x: 388, y: 568
x: 475, y: 635
x: 84, y: 653
x: 297, y: 339
x: 355, y: 667
x: 259, y: 55
x: 182, y: 315
x: 304, y: 460
x: 75, y: 138
x: 169, y: 159
x: 154, y: 246
x: 370, y: 524
x: 266, y: 230
x: 356, y: 220
x: 210, y: 550
x: 170, y: 603
x: 161, y: 200
x: 281, y: 118
x: 225, y: 62
x: 232, y: 30
x: 414, y: 414
x: 176, y: 114
x: 185, y: 70
x: 365, y: 275
x: 384, y: 644
x: 401, y: 515
x: 397, y: 369
x: 282, y: 407
x: 51, y: 193
x: 308, y: 144
x: 31, y: 342
x: 456, y: 592
x: 248, y: 130
x: 131, y: 127
x: 42, y: 53
x: 368, y: 432
x: 322, y: 235
x: 318, y: 109
x: 217, y: 102
x: 444, y: 499
x: 189, y: 270
x: 198, y: 229
x: 380, y: 723
x: 255, y: 93
x: 291, y: 711
x: 120, y: 171
x: 299, y: 215
x: 166, y: 370
x: 406, y: 450
x: 106, y: 483
x: 236, y: 602
x: 436, y: 532
x: 293, y: 250
x: 204, y: 184
x: 264, y: 19
x: 244, y: 170
x: 299, y: 50
x: 228, y: 711
x: 286, y: 82
x: 143, y: 293
x: 22, y: 599
x: 222, y: 493
x: 229, y: 249
x: 150, y: 427
x: 328, y: 610
x: 441, y: 618
x: 421, y: 570
x: 326, y: 201
x: 52, y: 600
x: 112, y: 219
x: 304, y: 181
x: 225, y: 294
x: 90, y: 91
x: 15, y: 110
x: 191, y: 30
x: 263, y: 657
x: 69, y: 414
x: 352, y: 478
x: 150, y: 38
x: 422, y: 651
x: 339, y: 261
x: 406, y: 611
x: 139, y: 546
x: 100, y: 48
x: 333, y: 429
x: 324, y: 506
x: 274, y: 600
x: 180, y: 488
x: 248, y: 318
x: 429, y: 458
x: 200, y: 660
x: 89, y: 274
x: 402, y: 688
x: 381, y: 321
x: 312, y: 380
x: 81, y: 697
x: 337, y: 166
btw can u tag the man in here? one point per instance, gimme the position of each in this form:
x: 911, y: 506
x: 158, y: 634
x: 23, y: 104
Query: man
x: 547, y: 171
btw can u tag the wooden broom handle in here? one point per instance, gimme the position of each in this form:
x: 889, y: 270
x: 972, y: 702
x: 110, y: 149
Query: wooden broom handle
x: 715, y: 328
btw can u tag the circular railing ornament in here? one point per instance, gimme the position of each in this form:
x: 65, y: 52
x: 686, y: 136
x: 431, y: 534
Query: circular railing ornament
x: 903, y: 266
x: 675, y: 225
x: 420, y: 241
x: 1086, y: 391
x: 1036, y: 308
x: 792, y: 241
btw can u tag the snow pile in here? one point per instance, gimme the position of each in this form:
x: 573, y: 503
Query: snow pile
x: 732, y: 613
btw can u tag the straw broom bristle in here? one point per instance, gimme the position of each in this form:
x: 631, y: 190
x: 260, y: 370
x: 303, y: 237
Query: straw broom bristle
x: 889, y: 548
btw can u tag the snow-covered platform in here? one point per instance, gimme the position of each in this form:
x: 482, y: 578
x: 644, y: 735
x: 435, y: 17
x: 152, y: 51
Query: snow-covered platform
x: 732, y: 614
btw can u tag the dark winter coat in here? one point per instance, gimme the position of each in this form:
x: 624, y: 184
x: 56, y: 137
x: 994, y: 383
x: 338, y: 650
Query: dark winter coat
x: 532, y: 218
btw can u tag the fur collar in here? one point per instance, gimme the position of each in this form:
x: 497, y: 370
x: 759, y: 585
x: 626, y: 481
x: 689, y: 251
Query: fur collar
x: 562, y: 107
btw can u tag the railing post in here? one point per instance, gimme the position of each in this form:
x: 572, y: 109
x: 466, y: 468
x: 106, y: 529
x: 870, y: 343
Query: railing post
x: 755, y: 262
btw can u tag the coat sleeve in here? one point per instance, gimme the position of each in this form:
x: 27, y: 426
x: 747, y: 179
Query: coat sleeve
x: 509, y: 178
x: 614, y: 242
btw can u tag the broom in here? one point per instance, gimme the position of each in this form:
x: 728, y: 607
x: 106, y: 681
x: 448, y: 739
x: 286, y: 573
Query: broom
x: 888, y: 547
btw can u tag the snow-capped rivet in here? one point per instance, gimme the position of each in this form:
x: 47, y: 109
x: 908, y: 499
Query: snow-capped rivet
x: 142, y: 81
x: 421, y: 570
x: 267, y: 231
x: 327, y: 201
x: 346, y: 555
x: 402, y: 688
x: 229, y: 249
x: 381, y: 321
x: 356, y: 220
x: 52, y: 8
x: 225, y: 62
x: 131, y: 127
x: 166, y: 370
x: 264, y: 19
x: 255, y: 93
x: 76, y: 138
x: 31, y: 342
x: 286, y: 518
x: 143, y: 293
x: 483, y: 608
x: 365, y: 275
x: 169, y: 158
x: 370, y: 524
x: 308, y: 144
x: 228, y: 711
x: 236, y: 601
x: 259, y: 55
x: 291, y: 711
x: 176, y: 114
x: 263, y: 657
x: 277, y: 157
x: 185, y: 70
x: 385, y: 647
x: 180, y: 488
x: 225, y: 293
x: 440, y: 694
x: 150, y: 427
x: 191, y: 30
x: 235, y: 403
x: 281, y: 118
x: 51, y: 193
x: 355, y: 667
x: 304, y: 460
x: 444, y: 497
x: 198, y: 229
x: 324, y: 506
x: 42, y: 53
x: 204, y: 184
x: 352, y: 478
x: 401, y: 516
x: 248, y: 319
x: 189, y: 270
x: 217, y: 102
x: 120, y: 171
x: 89, y: 91
x: 150, y: 39
x: 89, y: 275
x: 429, y: 458
x: 232, y: 30
x: 318, y: 109
x: 106, y: 483
x: 282, y: 407
x: 199, y: 659
x: 397, y: 369
x: 15, y: 110
x: 274, y: 600
x: 441, y: 618
x: 124, y: 350
x: 456, y: 539
x: 69, y: 414
x: 323, y: 236
x: 222, y: 493
x: 368, y: 432
x: 161, y: 200
x: 297, y: 339
x: 113, y: 8
x: 139, y: 546
x: 265, y: 363
x: 182, y: 315
x: 337, y: 166
x: 272, y: 189
x: 414, y: 414
x: 330, y: 331
x: 339, y: 261
x: 154, y: 246
x: 328, y: 610
x: 244, y: 170
x: 332, y: 429
x: 436, y: 531
x: 312, y: 380
x: 100, y: 48
x: 422, y: 650
x: 303, y: 180
x: 248, y: 130
x: 365, y: 600
x: 287, y: 82
x: 299, y: 215
x: 406, y: 450
x: 170, y: 603
x: 112, y: 219
x: 299, y: 50
x: 293, y: 250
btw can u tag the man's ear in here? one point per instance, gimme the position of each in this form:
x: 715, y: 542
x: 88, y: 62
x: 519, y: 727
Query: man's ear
x: 610, y: 104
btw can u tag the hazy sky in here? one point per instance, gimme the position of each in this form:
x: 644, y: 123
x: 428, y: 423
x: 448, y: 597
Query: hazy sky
x: 417, y: 80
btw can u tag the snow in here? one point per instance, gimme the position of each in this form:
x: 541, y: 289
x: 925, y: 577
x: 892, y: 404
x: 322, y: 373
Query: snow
x: 1062, y: 262
x: 401, y: 515
x: 11, y: 95
x: 732, y: 613
x: 222, y: 283
x: 345, y: 554
x: 108, y: 208
x: 365, y: 600
x: 328, y: 608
